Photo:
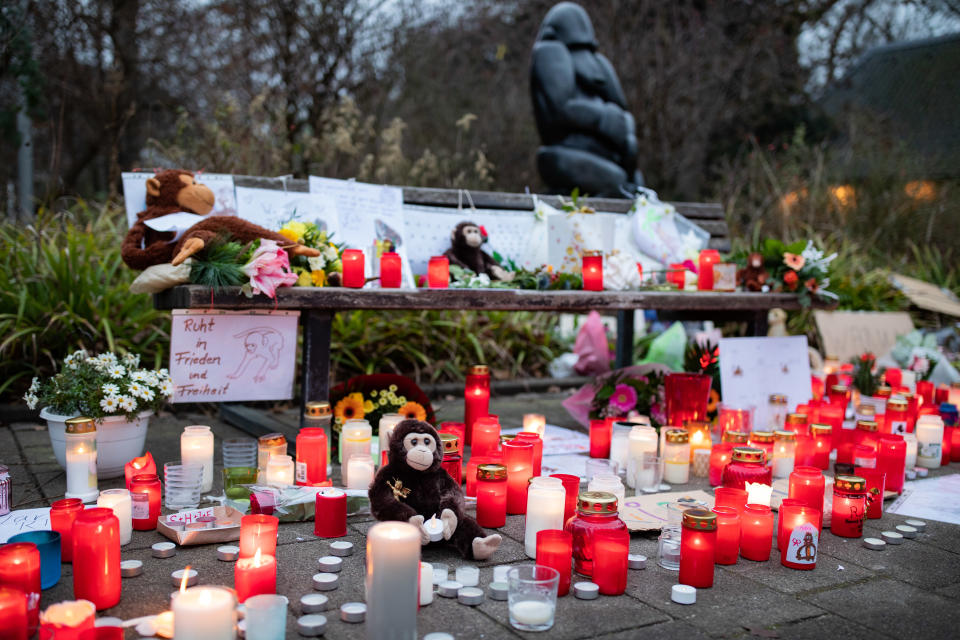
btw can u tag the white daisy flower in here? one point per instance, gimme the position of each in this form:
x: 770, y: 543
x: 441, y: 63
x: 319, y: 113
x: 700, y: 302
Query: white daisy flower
x: 136, y: 389
x: 131, y: 360
x: 34, y: 385
x: 330, y: 253
x: 152, y: 379
x: 127, y: 403
x: 31, y: 400
x: 166, y: 388
x: 110, y: 389
x: 147, y: 394
x: 317, y: 263
x: 139, y: 376
x: 163, y: 374
x: 116, y: 371
x: 110, y: 403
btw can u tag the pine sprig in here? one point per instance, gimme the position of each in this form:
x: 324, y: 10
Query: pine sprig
x: 221, y: 265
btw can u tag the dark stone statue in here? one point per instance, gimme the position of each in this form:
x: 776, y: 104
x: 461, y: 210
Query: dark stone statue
x: 588, y: 135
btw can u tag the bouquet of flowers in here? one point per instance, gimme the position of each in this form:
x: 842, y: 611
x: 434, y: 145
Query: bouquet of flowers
x: 620, y: 394
x: 369, y: 397
x: 100, y: 386
x: 323, y: 270
x: 799, y: 268
x: 256, y: 267
x: 865, y: 376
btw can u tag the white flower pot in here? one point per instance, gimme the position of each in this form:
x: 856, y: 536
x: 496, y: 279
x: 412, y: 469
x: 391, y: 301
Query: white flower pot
x: 118, y: 440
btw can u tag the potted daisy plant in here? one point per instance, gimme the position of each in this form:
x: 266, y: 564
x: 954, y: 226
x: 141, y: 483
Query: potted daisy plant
x: 112, y: 390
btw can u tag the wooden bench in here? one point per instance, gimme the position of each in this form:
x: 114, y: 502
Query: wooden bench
x: 318, y: 305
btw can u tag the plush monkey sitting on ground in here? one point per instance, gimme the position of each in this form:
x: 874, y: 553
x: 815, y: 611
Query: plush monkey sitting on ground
x: 465, y: 252
x: 413, y: 487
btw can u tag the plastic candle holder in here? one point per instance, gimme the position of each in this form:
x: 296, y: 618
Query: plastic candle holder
x: 867, y: 434
x: 699, y: 436
x: 318, y: 414
x: 392, y: 580
x: 601, y: 433
x: 258, y: 532
x: 537, y: 442
x: 782, y: 512
x: 732, y: 418
x: 875, y: 487
x: 451, y: 462
x: 142, y: 465
x: 545, y: 504
x: 849, y: 506
x: 355, y: 438
x: 255, y: 575
x: 81, y: 458
x: 756, y: 532
x: 22, y: 567
x: 641, y: 441
x: 204, y: 613
x: 677, y: 275
x: 608, y: 483
x: 438, y: 272
x: 730, y: 497
x: 891, y: 460
x: 196, y: 447
x: 571, y: 488
x: 555, y: 550
x: 145, y: 495
x: 360, y: 471
x: 491, y: 491
x: 518, y: 459
x: 820, y: 442
x: 705, y: 262
x: 280, y: 471
x: 353, y: 268
x: 390, y: 270
x: 686, y: 396
x: 592, y: 271
x: 596, y: 511
x: 720, y: 457
x: 476, y: 398
x: 118, y: 500
x: 486, y: 436
x: 67, y: 620
x: 13, y: 612
x: 728, y: 535
x: 807, y: 485
x: 676, y: 457
x: 746, y: 465
x: 896, y: 416
x: 96, y: 557
x: 311, y: 464
x: 271, y: 444
x: 784, y: 453
x: 611, y: 548
x: 330, y: 520
x: 456, y: 428
x: 62, y: 514
x: 799, y: 536
x: 698, y: 547
x: 471, y: 471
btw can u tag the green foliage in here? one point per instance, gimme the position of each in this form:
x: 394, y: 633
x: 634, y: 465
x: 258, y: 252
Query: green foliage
x: 543, y: 279
x: 865, y: 377
x: 220, y: 265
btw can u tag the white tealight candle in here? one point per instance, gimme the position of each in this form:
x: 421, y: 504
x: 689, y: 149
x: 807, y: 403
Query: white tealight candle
x: 426, y: 583
x: 280, y: 471
x: 545, y: 504
x: 434, y: 527
x: 758, y: 493
x: 468, y: 576
x: 641, y: 440
x: 535, y: 423
x: 204, y: 613
x: 196, y: 447
x: 393, y: 567
x: 360, y: 471
x: 531, y: 612
x: 119, y: 501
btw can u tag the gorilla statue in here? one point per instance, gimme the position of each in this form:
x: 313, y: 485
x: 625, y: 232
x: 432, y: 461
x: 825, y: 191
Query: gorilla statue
x: 588, y: 135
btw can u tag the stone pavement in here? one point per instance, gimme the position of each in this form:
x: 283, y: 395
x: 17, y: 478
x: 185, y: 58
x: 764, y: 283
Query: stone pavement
x: 853, y: 593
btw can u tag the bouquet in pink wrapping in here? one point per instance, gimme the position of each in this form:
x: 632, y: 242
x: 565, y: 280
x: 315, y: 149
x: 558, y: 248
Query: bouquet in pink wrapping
x: 269, y: 268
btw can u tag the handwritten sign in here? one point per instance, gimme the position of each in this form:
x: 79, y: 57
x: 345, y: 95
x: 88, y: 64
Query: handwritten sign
x: 186, y: 517
x: 271, y: 209
x: 223, y: 356
x: 847, y: 334
x: 23, y: 520
x: 649, y: 512
x: 135, y: 193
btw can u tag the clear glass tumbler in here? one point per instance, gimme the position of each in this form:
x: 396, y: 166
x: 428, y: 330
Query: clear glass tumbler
x: 649, y: 474
x: 668, y: 545
x: 182, y: 483
x: 532, y: 596
x: 597, y: 466
x: 266, y: 616
x: 239, y: 452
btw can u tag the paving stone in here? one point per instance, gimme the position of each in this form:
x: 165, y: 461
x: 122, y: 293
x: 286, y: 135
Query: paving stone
x: 19, y: 473
x: 671, y: 630
x: 950, y: 591
x: 775, y: 575
x: 39, y: 455
x: 937, y: 534
x: 35, y: 437
x: 827, y: 626
x: 8, y: 445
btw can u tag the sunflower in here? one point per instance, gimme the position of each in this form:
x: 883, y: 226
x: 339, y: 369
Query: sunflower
x: 712, y: 401
x: 413, y: 411
x: 349, y: 408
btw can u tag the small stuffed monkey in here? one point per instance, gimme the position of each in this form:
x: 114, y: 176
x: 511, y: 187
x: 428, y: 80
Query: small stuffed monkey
x: 465, y: 252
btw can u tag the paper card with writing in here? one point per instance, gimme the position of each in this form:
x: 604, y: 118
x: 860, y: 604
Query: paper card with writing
x: 135, y: 193
x: 224, y: 356
x: 22, y: 521
x: 649, y: 512
x: 752, y: 369
x: 570, y: 234
x: 272, y: 208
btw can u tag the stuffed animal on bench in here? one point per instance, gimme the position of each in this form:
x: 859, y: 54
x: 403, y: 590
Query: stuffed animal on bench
x: 465, y: 252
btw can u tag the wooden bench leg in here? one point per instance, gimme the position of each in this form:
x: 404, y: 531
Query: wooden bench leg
x: 624, y: 338
x: 315, y: 363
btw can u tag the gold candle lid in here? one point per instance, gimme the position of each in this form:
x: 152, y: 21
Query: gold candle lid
x: 479, y: 370
x: 883, y: 391
x: 736, y: 437
x: 785, y: 436
x: 81, y: 424
x: 867, y: 425
x: 272, y: 439
x: 796, y: 419
x: 506, y: 437
x: 591, y: 253
x: 850, y: 483
x: 597, y: 502
x: 777, y: 398
x: 451, y: 443
x: 491, y: 472
x: 897, y: 403
x: 678, y: 436
x: 839, y: 388
x: 761, y: 436
x: 747, y: 454
x: 700, y: 519
x: 317, y: 409
x: 867, y: 410
x: 820, y: 429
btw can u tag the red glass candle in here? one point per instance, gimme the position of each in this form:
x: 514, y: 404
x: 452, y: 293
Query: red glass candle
x: 781, y: 520
x: 537, y: 443
x: 707, y: 258
x: 486, y: 436
x: 756, y: 532
x: 864, y: 456
x: 458, y: 429
x: 592, y: 271
x: 471, y: 471
x: 849, y: 506
x: 892, y: 461
x: 867, y: 434
x: 677, y: 275
x: 698, y: 548
x: 816, y: 447
x: 730, y: 497
x: 69, y: 620
x: 896, y: 417
x: 874, y: 479
x: 807, y: 484
x: 571, y: 488
x: 330, y: 516
x: 143, y: 465
x: 96, y: 557
x: 611, y: 548
x: 491, y: 487
x: 925, y: 390
x: 839, y: 396
x: 145, y: 496
x: 555, y: 550
x: 596, y: 511
x: 686, y: 396
x: 601, y: 432
x: 763, y: 440
x: 451, y: 462
x: 946, y: 446
x: 728, y: 534
x: 390, y: 270
x: 258, y: 532
x: 20, y: 569
x: 14, y: 620
x: 799, y: 536
x: 518, y: 459
x: 476, y: 398
x: 833, y: 414
x: 62, y: 514
x: 102, y: 633
x: 797, y: 422
x: 954, y: 434
x: 353, y: 273
x: 731, y: 418
x: 720, y: 457
x: 255, y: 575
x: 311, y: 467
x: 438, y: 272
x: 746, y: 465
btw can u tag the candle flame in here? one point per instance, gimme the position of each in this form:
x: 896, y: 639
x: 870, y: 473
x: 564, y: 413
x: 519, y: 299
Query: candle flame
x: 186, y: 576
x: 697, y: 437
x: 256, y: 558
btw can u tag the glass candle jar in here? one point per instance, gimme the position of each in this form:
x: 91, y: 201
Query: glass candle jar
x: 746, y: 465
x: 318, y: 414
x: 608, y: 483
x: 619, y: 442
x: 20, y: 569
x: 471, y: 471
x: 354, y: 276
x: 730, y: 497
x: 145, y: 495
x: 571, y: 489
x: 676, y: 457
x: 800, y: 537
x: 611, y: 550
x: 555, y: 550
x: 796, y: 422
x: 601, y: 435
x: 451, y: 457
x: 867, y: 433
x: 891, y: 460
x: 677, y: 275
x: 864, y: 456
x: 96, y: 557
x: 258, y: 532
x: 776, y: 410
x: 821, y: 442
x: 70, y: 620
x: 642, y: 440
x: 271, y: 444
x: 763, y: 440
x: 686, y: 396
x: 196, y: 447
x: 592, y: 271
x: 545, y: 502
x: 807, y: 485
x: 839, y: 395
x: 355, y: 438
x: 728, y: 535
x: 476, y: 396
x: 438, y: 272
x: 698, y: 546
x: 735, y: 437
x: 81, y: 458
x: 486, y: 436
x: 910, y: 460
x: 311, y: 464
x: 720, y: 457
x: 732, y: 418
x: 491, y: 491
x: 596, y: 511
x: 756, y: 532
x: 518, y: 459
x: 929, y: 440
x: 280, y: 471
x: 705, y: 262
x: 896, y: 416
x: 14, y: 614
x: 118, y: 501
x: 390, y: 270
x: 784, y: 453
x: 144, y: 464
x: 62, y: 515
x: 537, y: 442
x: 360, y: 471
x: 699, y: 436
x: 875, y: 487
x: 849, y: 506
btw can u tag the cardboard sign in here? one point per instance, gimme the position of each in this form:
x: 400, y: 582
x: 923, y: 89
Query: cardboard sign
x: 847, y: 334
x: 927, y: 296
x: 225, y: 356
x: 649, y: 512
x: 135, y: 193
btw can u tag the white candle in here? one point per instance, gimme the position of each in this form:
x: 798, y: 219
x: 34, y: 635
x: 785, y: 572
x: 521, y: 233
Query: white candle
x: 280, y: 471
x: 354, y: 438
x: 434, y: 528
x: 196, y: 446
x: 676, y: 457
x: 784, y: 452
x: 70, y: 613
x: 359, y: 471
x: 911, y: 459
x: 204, y: 613
x: 608, y: 483
x: 641, y: 439
x: 758, y: 493
x: 619, y: 443
x: 545, y: 502
x: 388, y: 423
x: 81, y: 473
x: 535, y: 423
x: 929, y: 433
x: 426, y: 583
x: 531, y: 612
x: 119, y: 501
x: 393, y: 565
x: 468, y: 576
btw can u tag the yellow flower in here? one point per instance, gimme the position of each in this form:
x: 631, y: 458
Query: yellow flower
x: 413, y: 411
x: 304, y: 280
x: 293, y: 230
x: 373, y: 394
x: 401, y: 399
x: 382, y: 402
x: 393, y: 388
x: 319, y: 278
x: 349, y: 408
x: 367, y: 406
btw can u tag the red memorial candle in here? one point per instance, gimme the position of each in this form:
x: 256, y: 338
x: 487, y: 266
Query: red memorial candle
x: 62, y: 514
x: 832, y: 414
x: 571, y: 488
x: 698, y: 547
x: 686, y: 396
x: 353, y: 273
x: 720, y: 457
x: 601, y: 432
x: 555, y: 550
x: 849, y: 506
x: 730, y: 497
x: 438, y: 272
x: 892, y: 461
x: 925, y: 389
x: 330, y: 519
x: 799, y: 539
x: 491, y: 490
x: 14, y: 620
x: 471, y: 471
x: 258, y: 532
x: 731, y: 418
x: 96, y: 557
x: 807, y: 485
x: 20, y: 569
x: 874, y: 479
x: 896, y: 417
x: 145, y: 490
x: 596, y: 511
x: 756, y: 532
x: 102, y: 633
x: 458, y: 429
x: 864, y: 456
x: 68, y: 621
x: 746, y: 465
x: 518, y: 459
x: 537, y: 443
x: 486, y: 436
x: 820, y: 443
x: 311, y: 465
x: 705, y: 262
x: 677, y: 275
x: 476, y: 398
x: 839, y: 396
x: 592, y: 271
x: 143, y: 465
x: 390, y: 270
x: 611, y: 548
x: 254, y: 576
x: 781, y: 522
x: 451, y: 462
x: 728, y: 534
x: 867, y: 434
